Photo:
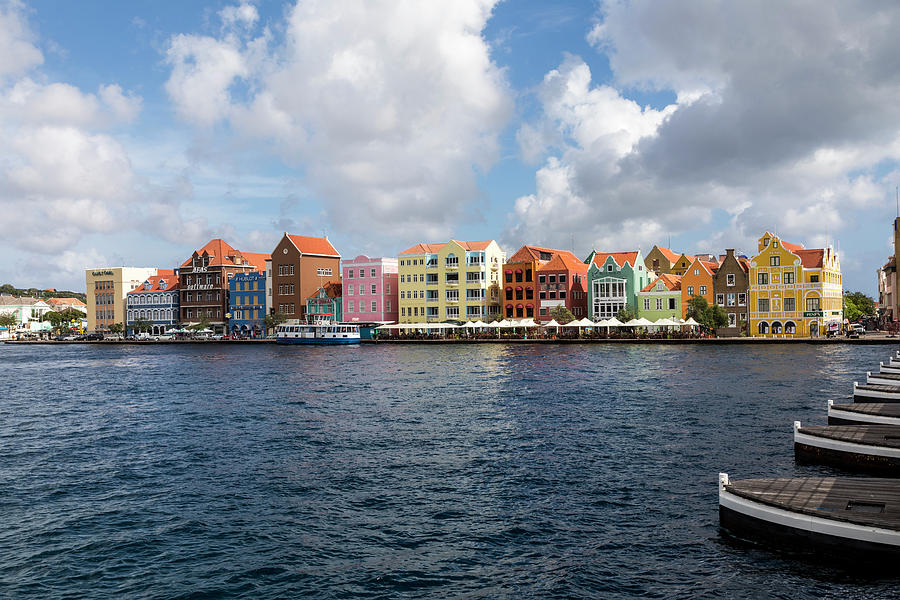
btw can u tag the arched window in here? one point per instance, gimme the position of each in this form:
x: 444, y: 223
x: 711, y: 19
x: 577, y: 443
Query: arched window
x: 790, y: 327
x: 763, y: 328
x: 776, y: 327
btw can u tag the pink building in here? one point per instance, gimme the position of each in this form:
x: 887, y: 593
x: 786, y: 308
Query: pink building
x: 370, y: 289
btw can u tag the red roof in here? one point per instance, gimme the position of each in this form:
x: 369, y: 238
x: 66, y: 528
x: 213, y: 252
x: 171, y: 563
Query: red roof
x: 672, y: 282
x: 63, y: 302
x: 313, y: 245
x: 792, y: 247
x: 670, y: 254
x: 619, y: 257
x: 167, y: 275
x: 221, y: 253
x: 811, y: 259
x: 435, y: 248
x: 564, y: 260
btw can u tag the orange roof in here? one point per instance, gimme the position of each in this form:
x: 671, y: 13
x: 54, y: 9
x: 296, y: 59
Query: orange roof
x: 672, y: 282
x: 619, y: 257
x: 313, y: 245
x: 221, y: 253
x: 161, y: 274
x: 670, y: 254
x: 792, y: 247
x: 527, y: 252
x: 64, y: 302
x: 712, y: 266
x: 811, y: 259
x: 564, y: 260
x: 435, y: 248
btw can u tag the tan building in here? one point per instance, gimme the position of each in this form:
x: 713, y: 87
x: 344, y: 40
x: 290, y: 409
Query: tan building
x: 300, y: 266
x: 106, y: 289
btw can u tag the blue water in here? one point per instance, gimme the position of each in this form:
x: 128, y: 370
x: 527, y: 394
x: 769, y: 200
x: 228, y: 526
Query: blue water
x: 403, y: 471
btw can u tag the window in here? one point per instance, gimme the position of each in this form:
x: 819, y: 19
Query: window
x: 509, y: 277
x: 374, y: 289
x: 609, y: 268
x: 774, y: 261
x: 374, y: 306
x: 690, y: 290
x: 763, y: 328
x: 322, y: 272
x: 742, y: 299
x: 372, y: 273
x: 731, y: 299
x: 291, y: 272
x: 452, y: 295
x: 671, y: 303
x: 387, y: 305
x: 729, y: 279
x: 350, y: 306
x: 789, y: 277
x: 812, y: 303
x: 732, y: 319
x: 763, y: 305
x: 451, y: 261
x: 814, y: 279
x: 696, y: 272
x: 562, y: 278
x: 790, y: 305
x: 659, y: 304
x: 350, y: 274
x: 762, y: 279
x: 646, y: 303
x: 702, y: 290
x: 720, y: 299
x: 542, y: 279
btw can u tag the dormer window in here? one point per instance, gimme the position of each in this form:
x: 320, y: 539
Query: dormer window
x: 609, y: 268
x: 774, y: 243
x: 765, y: 241
x: 147, y: 285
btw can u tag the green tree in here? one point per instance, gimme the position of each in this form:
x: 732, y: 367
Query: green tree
x: 9, y: 321
x: 203, y: 324
x: 562, y: 315
x: 274, y: 320
x: 116, y: 328
x: 141, y: 324
x: 710, y: 316
x: 625, y: 314
x: 56, y: 319
x: 858, y: 305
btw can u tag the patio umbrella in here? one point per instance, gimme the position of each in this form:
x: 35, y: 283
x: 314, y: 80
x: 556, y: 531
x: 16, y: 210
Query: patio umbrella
x: 584, y: 322
x: 664, y: 322
x: 632, y: 323
x: 691, y: 321
x: 644, y: 322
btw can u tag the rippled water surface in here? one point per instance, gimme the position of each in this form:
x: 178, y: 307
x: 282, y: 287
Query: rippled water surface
x: 483, y: 471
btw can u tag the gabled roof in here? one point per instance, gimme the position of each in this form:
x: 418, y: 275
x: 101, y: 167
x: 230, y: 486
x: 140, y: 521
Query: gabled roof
x: 672, y: 283
x: 811, y: 259
x: 792, y: 247
x: 435, y: 248
x: 710, y: 265
x: 313, y: 245
x: 167, y: 275
x: 20, y: 301
x: 222, y: 254
x: 670, y: 254
x: 564, y: 260
x: 620, y: 258
x: 257, y: 259
x: 530, y: 253
x: 64, y: 302
x: 332, y: 289
x: 745, y: 264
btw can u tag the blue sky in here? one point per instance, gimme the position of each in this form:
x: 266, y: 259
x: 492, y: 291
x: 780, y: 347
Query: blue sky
x: 131, y: 133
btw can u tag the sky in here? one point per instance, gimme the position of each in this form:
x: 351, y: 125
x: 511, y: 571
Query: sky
x: 131, y: 133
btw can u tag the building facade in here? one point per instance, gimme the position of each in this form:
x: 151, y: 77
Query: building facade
x: 660, y: 260
x: 107, y: 288
x: 327, y: 301
x: 300, y: 266
x: 451, y: 281
x: 614, y: 280
x: 247, y: 307
x: 28, y: 312
x: 156, y: 300
x: 661, y: 298
x: 731, y: 288
x: 204, y: 282
x: 794, y: 292
x: 371, y: 291
x: 537, y: 280
x: 697, y: 280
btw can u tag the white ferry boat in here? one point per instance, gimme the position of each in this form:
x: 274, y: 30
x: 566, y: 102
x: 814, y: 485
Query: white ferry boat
x: 318, y: 329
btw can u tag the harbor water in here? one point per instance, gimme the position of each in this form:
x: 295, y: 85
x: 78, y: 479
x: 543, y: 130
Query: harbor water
x: 405, y: 471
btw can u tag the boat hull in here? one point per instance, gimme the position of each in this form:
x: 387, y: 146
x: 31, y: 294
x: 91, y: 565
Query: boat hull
x: 865, y: 456
x: 317, y: 341
x: 875, y: 393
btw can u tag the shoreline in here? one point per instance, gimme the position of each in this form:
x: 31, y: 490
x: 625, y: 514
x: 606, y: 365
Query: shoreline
x: 870, y: 341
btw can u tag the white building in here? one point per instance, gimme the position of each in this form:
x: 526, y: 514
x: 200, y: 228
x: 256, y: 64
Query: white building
x: 27, y: 311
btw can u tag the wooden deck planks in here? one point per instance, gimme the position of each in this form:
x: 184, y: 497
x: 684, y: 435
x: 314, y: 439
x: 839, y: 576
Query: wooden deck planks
x: 828, y: 497
x: 882, y: 409
x: 877, y: 387
x: 886, y: 436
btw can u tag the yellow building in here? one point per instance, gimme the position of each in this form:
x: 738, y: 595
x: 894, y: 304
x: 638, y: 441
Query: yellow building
x: 794, y: 292
x: 451, y: 281
x: 106, y: 288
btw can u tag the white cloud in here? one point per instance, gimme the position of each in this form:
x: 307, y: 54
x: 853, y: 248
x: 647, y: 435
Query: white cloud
x: 391, y: 108
x: 18, y: 53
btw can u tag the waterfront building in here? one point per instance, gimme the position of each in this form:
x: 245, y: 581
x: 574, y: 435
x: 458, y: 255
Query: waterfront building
x: 327, y: 300
x: 156, y: 300
x: 107, y: 288
x: 661, y: 298
x: 204, y: 282
x: 731, y: 288
x: 300, y: 266
x: 888, y: 282
x: 614, y: 280
x: 697, y: 280
x: 371, y: 292
x: 536, y: 280
x: 660, y: 260
x: 247, y: 304
x: 794, y: 292
x: 28, y: 313
x: 269, y: 308
x: 681, y: 265
x: 457, y: 281
x: 61, y: 304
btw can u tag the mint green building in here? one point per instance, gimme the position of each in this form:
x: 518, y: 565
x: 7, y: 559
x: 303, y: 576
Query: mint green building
x: 614, y: 280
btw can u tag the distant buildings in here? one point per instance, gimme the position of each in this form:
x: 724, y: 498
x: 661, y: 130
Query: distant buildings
x: 107, y: 288
x: 889, y: 284
x: 326, y: 301
x: 155, y: 301
x: 731, y: 288
x: 450, y: 281
x: 661, y: 298
x: 371, y: 292
x: 28, y: 313
x: 300, y: 266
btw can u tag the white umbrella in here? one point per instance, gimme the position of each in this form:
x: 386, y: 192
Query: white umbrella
x: 632, y: 323
x: 644, y: 322
x: 469, y: 324
x: 664, y: 322
x: 691, y: 321
x: 600, y: 323
x: 529, y: 322
x: 613, y: 322
x: 551, y: 323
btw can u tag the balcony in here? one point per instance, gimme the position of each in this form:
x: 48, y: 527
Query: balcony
x: 452, y: 266
x: 453, y: 282
x: 453, y: 300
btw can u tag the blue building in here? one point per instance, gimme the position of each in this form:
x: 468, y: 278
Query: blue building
x: 247, y: 305
x: 156, y: 300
